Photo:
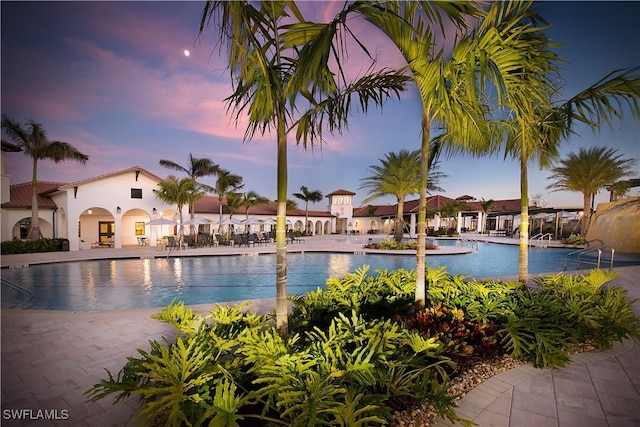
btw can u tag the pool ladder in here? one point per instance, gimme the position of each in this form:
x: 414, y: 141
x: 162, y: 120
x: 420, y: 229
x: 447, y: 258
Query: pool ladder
x: 469, y: 240
x: 539, y: 239
x: 19, y: 289
x: 599, y: 250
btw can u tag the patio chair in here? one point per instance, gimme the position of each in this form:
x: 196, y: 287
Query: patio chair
x: 172, y: 243
x: 293, y: 239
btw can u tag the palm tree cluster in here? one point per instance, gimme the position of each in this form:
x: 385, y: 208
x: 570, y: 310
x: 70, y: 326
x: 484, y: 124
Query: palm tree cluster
x: 488, y: 91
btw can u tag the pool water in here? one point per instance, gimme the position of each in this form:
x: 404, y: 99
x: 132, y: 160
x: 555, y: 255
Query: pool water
x: 145, y: 283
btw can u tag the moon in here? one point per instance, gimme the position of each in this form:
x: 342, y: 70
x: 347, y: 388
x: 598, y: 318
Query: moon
x: 186, y: 52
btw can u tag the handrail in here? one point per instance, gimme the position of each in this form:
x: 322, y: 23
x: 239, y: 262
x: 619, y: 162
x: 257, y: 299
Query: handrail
x: 581, y: 252
x: 470, y: 240
x: 15, y: 286
x: 539, y: 238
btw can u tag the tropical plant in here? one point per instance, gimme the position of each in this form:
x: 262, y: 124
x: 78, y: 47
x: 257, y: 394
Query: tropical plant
x: 33, y: 140
x: 262, y: 42
x: 587, y: 172
x: 251, y: 199
x: 618, y: 190
x: 536, y: 128
x: 196, y: 168
x: 180, y: 192
x: 233, y: 202
x: 486, y: 207
x: 451, y: 208
x: 226, y: 183
x: 397, y: 174
x: 308, y: 196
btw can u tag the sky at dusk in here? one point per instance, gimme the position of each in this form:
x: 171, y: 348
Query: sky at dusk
x: 112, y: 79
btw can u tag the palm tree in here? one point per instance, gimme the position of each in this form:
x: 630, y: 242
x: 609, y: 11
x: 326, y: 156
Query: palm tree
x: 451, y: 208
x: 587, y: 172
x: 196, y: 168
x: 181, y: 192
x: 486, y: 207
x: 397, y: 174
x: 451, y: 81
x: 536, y: 130
x: 226, y: 183
x: 308, y: 196
x: 233, y: 202
x: 260, y: 37
x: 251, y: 199
x: 33, y: 141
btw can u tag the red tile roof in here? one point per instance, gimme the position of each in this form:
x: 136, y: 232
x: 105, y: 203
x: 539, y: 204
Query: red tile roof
x: 341, y: 192
x: 211, y: 205
x: 20, y: 195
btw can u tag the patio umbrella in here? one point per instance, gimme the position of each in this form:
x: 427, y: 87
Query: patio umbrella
x: 161, y: 221
x: 198, y: 221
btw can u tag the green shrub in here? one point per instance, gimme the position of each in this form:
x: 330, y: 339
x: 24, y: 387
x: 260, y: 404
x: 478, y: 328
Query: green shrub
x: 29, y: 246
x: 358, y: 351
x: 380, y: 296
x: 231, y: 366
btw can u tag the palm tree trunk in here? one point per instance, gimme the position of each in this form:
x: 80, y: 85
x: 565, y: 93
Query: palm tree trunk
x: 399, y: 225
x: 420, y: 299
x: 34, y: 231
x: 282, y: 321
x: 586, y: 213
x: 523, y: 259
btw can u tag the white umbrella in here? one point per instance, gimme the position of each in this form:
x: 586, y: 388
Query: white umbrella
x: 230, y: 221
x: 252, y: 220
x: 161, y: 221
x: 197, y: 221
x: 269, y: 221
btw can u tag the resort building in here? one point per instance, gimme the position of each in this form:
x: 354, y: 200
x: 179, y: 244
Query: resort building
x: 121, y: 208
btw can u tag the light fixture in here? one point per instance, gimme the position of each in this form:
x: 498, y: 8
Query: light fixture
x: 155, y: 211
x: 118, y: 210
x: 89, y: 211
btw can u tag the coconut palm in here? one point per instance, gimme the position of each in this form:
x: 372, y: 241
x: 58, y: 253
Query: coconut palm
x: 262, y: 62
x: 33, y: 140
x: 537, y: 129
x: 180, y: 192
x: 587, y: 172
x: 226, y: 183
x: 251, y: 199
x: 398, y: 174
x: 196, y: 168
x: 486, y: 207
x: 308, y: 196
x: 452, y: 80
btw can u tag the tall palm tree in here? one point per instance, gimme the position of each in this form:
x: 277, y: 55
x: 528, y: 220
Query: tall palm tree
x: 260, y: 37
x: 398, y: 174
x: 452, y: 80
x: 226, y: 183
x: 196, y: 168
x: 251, y: 199
x: 308, y: 196
x: 537, y: 129
x: 587, y: 172
x: 486, y: 207
x: 32, y: 139
x: 180, y: 192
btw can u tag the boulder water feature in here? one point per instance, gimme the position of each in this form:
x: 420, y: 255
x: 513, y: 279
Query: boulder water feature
x: 617, y: 224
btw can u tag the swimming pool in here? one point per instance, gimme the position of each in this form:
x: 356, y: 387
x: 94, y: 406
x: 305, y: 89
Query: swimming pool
x: 145, y: 283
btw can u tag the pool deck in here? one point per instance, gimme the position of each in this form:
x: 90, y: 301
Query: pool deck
x: 50, y: 358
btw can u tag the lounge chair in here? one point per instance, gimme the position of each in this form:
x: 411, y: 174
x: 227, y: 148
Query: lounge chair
x: 293, y: 239
x: 172, y: 243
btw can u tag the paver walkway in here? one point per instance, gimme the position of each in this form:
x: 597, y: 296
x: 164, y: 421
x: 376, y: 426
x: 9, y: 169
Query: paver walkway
x: 50, y: 358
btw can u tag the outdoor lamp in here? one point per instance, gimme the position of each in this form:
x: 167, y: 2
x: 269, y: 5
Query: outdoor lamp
x: 118, y: 210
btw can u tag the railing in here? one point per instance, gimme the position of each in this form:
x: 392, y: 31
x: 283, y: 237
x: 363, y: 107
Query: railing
x: 539, y: 238
x: 470, y: 240
x: 19, y: 289
x: 580, y: 253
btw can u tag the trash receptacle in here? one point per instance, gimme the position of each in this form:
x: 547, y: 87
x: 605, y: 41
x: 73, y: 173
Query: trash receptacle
x: 64, y: 245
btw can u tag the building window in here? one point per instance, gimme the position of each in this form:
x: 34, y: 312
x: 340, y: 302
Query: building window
x: 136, y: 193
x: 139, y: 228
